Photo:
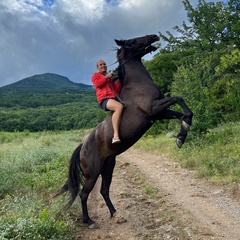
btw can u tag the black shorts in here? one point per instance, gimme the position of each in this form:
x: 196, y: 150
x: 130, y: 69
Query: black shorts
x: 103, y: 103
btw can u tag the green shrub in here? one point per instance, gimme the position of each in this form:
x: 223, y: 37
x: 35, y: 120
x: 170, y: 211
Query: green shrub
x: 19, y: 221
x: 33, y: 167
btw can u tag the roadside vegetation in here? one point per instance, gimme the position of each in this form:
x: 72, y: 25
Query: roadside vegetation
x: 35, y: 165
x: 215, y: 156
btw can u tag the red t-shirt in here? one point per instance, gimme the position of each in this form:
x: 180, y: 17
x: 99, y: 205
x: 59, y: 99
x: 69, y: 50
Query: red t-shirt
x: 102, y: 86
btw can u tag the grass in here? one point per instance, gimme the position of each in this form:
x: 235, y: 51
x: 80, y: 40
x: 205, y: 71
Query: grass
x: 215, y: 156
x: 34, y: 165
x: 25, y: 217
x: 150, y: 190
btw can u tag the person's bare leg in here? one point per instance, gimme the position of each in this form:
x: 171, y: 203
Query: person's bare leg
x: 117, y: 109
x: 116, y: 117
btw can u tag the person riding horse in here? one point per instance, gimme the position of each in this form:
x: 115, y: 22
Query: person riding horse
x: 146, y: 104
x: 106, y: 91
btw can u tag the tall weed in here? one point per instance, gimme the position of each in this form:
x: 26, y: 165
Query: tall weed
x: 24, y: 217
x: 32, y: 167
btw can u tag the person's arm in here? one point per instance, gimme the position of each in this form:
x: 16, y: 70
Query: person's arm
x: 100, y: 80
x: 117, y: 86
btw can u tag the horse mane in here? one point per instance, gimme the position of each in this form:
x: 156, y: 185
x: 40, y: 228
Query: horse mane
x: 120, y: 54
x: 120, y: 59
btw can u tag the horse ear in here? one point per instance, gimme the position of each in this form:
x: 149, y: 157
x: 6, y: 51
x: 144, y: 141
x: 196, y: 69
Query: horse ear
x: 119, y: 42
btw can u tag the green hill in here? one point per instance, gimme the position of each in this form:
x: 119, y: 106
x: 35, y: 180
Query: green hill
x: 45, y: 83
x: 48, y: 102
x: 44, y: 90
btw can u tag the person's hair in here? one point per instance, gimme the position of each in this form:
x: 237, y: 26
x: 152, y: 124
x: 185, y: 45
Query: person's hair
x: 99, y: 61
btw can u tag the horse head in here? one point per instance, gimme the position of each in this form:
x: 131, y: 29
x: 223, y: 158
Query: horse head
x: 136, y: 47
x: 133, y: 50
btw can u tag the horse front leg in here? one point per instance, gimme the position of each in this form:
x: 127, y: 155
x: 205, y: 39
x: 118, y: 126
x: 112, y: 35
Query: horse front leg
x: 186, y: 119
x: 182, y: 135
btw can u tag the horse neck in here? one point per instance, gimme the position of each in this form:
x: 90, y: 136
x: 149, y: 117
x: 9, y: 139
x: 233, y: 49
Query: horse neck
x: 135, y: 72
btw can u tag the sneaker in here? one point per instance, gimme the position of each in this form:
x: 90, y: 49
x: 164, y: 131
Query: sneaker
x: 116, y: 140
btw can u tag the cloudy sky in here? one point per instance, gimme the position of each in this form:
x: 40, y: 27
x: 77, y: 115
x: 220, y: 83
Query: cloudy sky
x: 67, y: 37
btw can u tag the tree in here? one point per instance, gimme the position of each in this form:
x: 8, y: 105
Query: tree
x: 207, y: 74
x: 211, y: 26
x: 234, y: 22
x: 164, y: 65
x: 226, y: 88
x: 194, y: 83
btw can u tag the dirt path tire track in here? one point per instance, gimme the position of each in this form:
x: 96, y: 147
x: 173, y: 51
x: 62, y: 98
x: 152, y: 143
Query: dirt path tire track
x: 208, y: 204
x: 204, y: 211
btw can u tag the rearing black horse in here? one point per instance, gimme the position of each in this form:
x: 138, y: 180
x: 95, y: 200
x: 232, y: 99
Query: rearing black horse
x: 145, y: 104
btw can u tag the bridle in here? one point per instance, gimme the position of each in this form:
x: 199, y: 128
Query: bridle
x: 128, y: 47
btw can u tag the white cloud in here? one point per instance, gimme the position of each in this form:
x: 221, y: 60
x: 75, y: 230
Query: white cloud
x: 22, y: 7
x: 68, y: 37
x: 79, y: 11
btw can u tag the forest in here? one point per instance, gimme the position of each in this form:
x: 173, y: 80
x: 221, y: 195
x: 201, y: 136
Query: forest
x: 48, y: 102
x: 199, y: 60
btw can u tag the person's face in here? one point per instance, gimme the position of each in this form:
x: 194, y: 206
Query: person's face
x: 102, y: 67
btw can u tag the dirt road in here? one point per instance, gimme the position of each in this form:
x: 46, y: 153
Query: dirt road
x: 157, y: 199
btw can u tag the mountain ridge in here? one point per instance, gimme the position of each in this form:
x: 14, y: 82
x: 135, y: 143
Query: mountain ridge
x: 45, y: 83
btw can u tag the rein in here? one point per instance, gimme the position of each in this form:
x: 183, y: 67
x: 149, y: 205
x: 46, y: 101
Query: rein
x: 117, y: 96
x: 124, y: 62
x: 116, y: 70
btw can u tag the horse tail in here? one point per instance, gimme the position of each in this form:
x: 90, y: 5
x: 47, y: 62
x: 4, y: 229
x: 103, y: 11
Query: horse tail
x: 75, y: 177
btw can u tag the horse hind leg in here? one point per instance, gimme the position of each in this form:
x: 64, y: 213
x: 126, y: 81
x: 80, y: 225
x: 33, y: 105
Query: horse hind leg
x: 84, y: 194
x: 106, y: 182
x: 106, y: 173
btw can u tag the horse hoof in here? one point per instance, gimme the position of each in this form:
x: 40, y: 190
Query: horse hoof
x: 119, y: 218
x: 93, y: 226
x: 186, y: 126
x: 179, y: 142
